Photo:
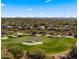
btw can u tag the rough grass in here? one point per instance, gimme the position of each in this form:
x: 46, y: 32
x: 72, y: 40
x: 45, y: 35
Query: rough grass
x: 50, y: 46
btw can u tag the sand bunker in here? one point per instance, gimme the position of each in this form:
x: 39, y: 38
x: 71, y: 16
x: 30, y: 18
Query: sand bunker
x: 32, y: 43
x: 4, y: 38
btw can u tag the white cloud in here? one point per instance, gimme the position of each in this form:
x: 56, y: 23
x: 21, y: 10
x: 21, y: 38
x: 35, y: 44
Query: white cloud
x: 74, y: 7
x: 41, y: 13
x: 69, y: 8
x: 29, y: 9
x: 3, y: 5
x: 48, y: 1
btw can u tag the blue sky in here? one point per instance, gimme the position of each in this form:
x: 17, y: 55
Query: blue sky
x: 38, y: 8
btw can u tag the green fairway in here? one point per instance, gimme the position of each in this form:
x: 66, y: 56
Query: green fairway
x: 50, y: 45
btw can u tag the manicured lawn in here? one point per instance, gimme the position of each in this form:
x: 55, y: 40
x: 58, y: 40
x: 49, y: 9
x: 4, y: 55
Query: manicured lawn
x: 50, y: 46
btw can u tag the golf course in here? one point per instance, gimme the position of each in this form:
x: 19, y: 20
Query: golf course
x: 51, y: 45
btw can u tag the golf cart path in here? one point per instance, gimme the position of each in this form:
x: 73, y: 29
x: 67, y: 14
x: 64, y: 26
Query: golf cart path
x: 62, y: 53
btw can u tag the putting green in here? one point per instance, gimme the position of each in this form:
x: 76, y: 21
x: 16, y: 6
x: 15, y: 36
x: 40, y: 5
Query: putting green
x: 50, y: 45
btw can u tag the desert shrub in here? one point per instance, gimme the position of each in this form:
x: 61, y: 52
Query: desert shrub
x: 36, y: 54
x: 5, y: 58
x: 73, y: 53
x: 16, y: 52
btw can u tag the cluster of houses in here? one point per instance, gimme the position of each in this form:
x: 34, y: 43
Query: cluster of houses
x: 37, y: 30
x: 36, y: 26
